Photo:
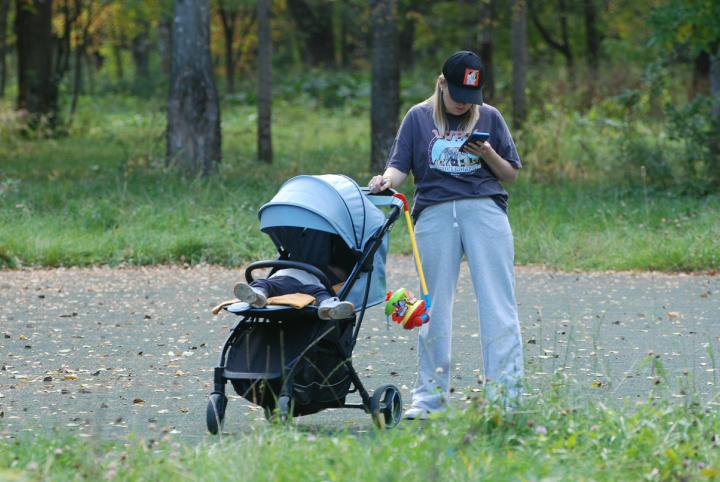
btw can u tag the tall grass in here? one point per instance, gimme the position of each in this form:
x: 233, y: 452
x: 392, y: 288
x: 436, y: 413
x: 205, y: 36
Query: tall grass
x: 548, y: 438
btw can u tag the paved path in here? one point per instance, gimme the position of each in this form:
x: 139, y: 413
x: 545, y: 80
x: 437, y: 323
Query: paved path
x: 112, y: 351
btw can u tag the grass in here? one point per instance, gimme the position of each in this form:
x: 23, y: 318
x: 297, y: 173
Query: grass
x: 101, y: 195
x: 615, y: 229
x: 548, y: 438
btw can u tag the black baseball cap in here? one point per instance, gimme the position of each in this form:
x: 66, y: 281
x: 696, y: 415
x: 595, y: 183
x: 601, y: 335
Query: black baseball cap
x: 465, y: 76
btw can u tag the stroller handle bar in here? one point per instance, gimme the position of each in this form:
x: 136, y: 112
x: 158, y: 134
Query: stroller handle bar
x: 283, y: 264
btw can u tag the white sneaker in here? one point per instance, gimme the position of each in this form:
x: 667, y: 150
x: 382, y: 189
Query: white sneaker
x: 334, y: 309
x: 250, y: 295
x: 416, y: 413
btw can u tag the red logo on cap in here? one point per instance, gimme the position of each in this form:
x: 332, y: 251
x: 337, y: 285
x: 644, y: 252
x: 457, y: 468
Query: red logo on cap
x: 472, y: 77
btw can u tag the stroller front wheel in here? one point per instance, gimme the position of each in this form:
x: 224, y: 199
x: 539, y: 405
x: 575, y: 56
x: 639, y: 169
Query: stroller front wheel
x: 215, y: 414
x: 386, y: 406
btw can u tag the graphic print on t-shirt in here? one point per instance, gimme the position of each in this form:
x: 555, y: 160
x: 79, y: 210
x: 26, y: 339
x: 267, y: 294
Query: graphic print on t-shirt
x: 445, y: 155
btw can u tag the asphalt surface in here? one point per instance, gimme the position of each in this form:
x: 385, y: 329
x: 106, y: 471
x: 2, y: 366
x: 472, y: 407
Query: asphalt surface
x: 108, y: 352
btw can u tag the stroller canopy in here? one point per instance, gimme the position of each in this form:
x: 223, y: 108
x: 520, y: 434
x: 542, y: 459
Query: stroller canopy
x: 333, y: 204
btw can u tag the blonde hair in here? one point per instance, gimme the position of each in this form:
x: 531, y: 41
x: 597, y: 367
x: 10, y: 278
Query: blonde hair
x: 468, y: 120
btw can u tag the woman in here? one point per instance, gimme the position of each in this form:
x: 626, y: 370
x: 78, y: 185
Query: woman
x: 460, y: 208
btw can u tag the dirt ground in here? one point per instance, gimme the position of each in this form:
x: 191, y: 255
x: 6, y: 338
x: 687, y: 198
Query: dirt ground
x: 106, y: 352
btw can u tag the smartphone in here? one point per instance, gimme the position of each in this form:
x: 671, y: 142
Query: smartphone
x: 476, y: 136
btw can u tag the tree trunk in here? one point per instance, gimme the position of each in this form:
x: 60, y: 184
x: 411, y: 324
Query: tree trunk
x: 264, y: 140
x: 227, y: 18
x: 406, y: 35
x: 715, y: 115
x: 567, y: 50
x: 485, y: 39
x: 385, y: 99
x: 140, y: 48
x: 118, y: 44
x: 345, y: 54
x: 592, y: 45
x: 592, y: 37
x: 4, y: 9
x: 314, y: 21
x: 77, y: 80
x: 519, y: 61
x: 715, y: 81
x: 701, y: 75
x: 80, y: 47
x: 37, y: 86
x: 193, y: 129
x: 164, y: 42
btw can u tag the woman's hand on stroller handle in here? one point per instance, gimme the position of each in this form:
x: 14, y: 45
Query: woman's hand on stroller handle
x: 391, y: 178
x: 379, y: 184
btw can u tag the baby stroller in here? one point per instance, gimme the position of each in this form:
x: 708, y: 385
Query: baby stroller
x: 287, y: 360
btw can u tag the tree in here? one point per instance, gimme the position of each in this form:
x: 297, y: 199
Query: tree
x: 694, y: 25
x: 519, y: 61
x: 592, y: 44
x: 4, y: 10
x: 140, y: 49
x: 264, y: 140
x: 593, y: 37
x: 37, y: 82
x: 314, y: 22
x: 193, y: 129
x: 410, y: 12
x: 385, y: 97
x: 85, y: 21
x: 230, y: 11
x: 562, y: 45
x: 485, y: 39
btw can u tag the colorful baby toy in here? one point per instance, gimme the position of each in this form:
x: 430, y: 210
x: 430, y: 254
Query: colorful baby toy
x: 405, y: 309
x: 401, y: 305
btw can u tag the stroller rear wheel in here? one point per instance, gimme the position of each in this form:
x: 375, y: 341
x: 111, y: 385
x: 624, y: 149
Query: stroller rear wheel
x: 215, y: 414
x: 386, y: 406
x: 283, y: 408
x: 281, y: 412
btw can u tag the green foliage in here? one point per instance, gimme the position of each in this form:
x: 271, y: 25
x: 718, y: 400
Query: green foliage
x: 327, y: 89
x: 691, y: 23
x: 692, y: 124
x: 550, y: 437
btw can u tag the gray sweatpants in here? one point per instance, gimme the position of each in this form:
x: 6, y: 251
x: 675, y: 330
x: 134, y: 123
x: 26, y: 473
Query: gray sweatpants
x: 479, y: 229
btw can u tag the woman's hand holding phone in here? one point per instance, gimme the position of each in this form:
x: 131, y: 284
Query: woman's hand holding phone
x: 477, y: 137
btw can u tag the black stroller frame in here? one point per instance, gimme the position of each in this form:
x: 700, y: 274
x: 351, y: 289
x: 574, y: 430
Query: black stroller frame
x: 285, y: 387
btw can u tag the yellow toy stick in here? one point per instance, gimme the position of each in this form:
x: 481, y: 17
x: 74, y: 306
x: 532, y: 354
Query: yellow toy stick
x: 416, y: 253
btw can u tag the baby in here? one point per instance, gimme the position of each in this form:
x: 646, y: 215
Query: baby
x: 291, y: 280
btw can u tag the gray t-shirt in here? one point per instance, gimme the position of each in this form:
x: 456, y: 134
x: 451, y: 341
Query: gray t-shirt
x: 443, y: 173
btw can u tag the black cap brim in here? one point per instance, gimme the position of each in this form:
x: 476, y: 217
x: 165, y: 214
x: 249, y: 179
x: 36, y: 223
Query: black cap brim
x: 465, y: 95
